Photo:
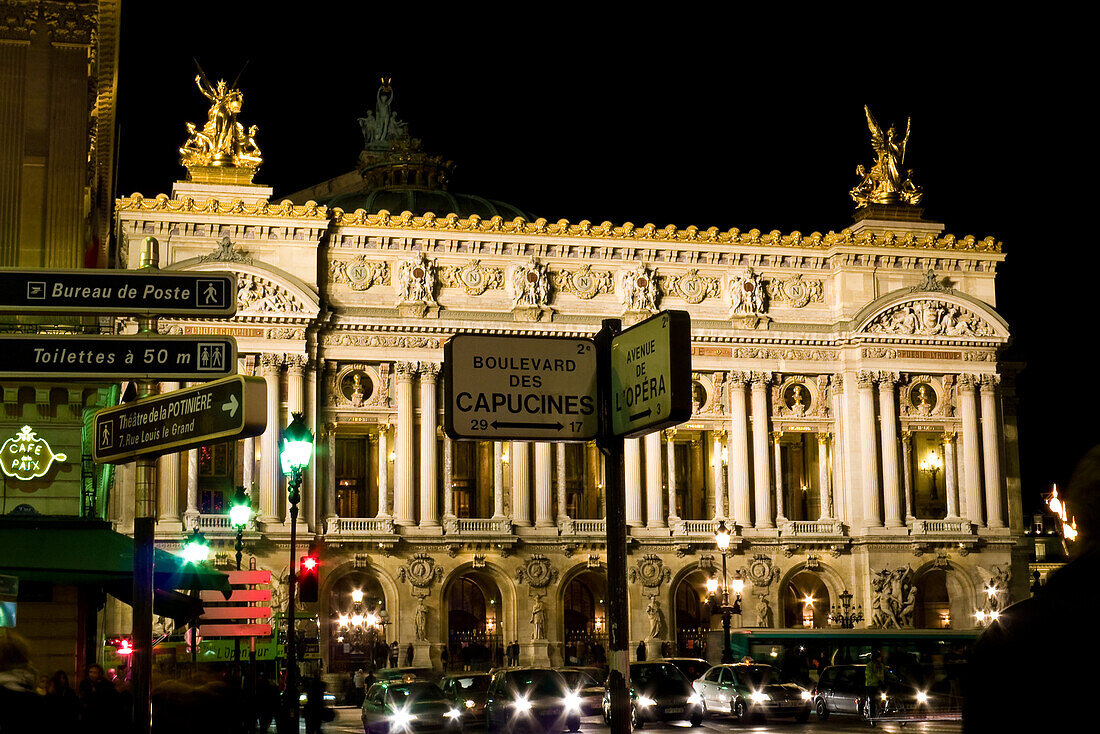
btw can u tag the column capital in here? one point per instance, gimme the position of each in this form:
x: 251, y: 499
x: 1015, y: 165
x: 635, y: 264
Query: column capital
x: 406, y: 370
x: 760, y: 380
x: 906, y: 435
x: 989, y: 382
x: 670, y: 433
x: 865, y: 380
x: 823, y: 437
x: 270, y: 361
x: 836, y: 382
x: 429, y: 371
x: 886, y: 380
x: 739, y: 378
x: 968, y: 382
x: 295, y: 362
x: 949, y: 437
x: 776, y: 435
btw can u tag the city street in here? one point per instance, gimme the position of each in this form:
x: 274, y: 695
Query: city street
x: 347, y: 722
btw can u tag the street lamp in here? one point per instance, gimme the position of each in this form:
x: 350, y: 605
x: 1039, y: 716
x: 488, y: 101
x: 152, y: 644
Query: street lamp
x: 294, y: 455
x: 240, y: 514
x: 195, y: 551
x: 722, y: 541
x: 932, y: 465
x: 844, y: 615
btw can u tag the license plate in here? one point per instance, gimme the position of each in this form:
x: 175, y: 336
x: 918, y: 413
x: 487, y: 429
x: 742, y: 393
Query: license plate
x: 674, y: 710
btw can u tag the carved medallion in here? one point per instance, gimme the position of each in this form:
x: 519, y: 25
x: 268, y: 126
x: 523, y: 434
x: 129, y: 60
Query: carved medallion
x: 584, y: 282
x: 651, y: 572
x: 693, y: 287
x: 537, y: 572
x: 473, y: 277
x: 761, y: 571
x: 420, y: 571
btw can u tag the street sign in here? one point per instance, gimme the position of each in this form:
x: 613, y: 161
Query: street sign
x: 223, y: 410
x: 119, y: 292
x: 651, y: 375
x: 526, y: 388
x: 114, y: 357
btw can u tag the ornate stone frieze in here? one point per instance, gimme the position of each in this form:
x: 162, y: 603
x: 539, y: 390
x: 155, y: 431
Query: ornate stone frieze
x: 651, y: 572
x: 420, y: 571
x: 18, y: 20
x: 926, y: 317
x: 359, y: 274
x: 412, y: 341
x: 692, y: 287
x: 796, y: 291
x: 227, y: 252
x: 894, y: 598
x: 285, y: 332
x: 537, y: 572
x: 162, y: 203
x: 748, y: 295
x: 69, y: 22
x: 416, y: 280
x: 473, y: 277
x: 754, y: 352
x: 638, y: 288
x: 529, y: 285
x: 996, y: 589
x: 584, y: 282
x: 259, y: 295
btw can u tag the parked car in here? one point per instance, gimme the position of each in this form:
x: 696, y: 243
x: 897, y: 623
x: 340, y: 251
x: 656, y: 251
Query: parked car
x: 583, y: 683
x: 397, y: 707
x: 658, y: 692
x: 841, y: 689
x: 407, y: 674
x: 744, y: 690
x: 531, y: 699
x: 467, y: 692
x: 691, y: 667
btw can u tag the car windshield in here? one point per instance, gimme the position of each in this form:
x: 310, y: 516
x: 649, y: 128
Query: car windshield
x: 758, y: 675
x: 536, y: 683
x: 645, y: 675
x: 577, y: 679
x: 472, y: 683
x: 692, y: 668
x: 412, y: 692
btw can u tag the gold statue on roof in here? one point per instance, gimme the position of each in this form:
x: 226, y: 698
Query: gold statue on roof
x: 222, y: 141
x: 886, y: 183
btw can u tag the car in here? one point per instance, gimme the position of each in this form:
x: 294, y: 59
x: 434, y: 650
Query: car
x: 530, y: 699
x: 409, y: 707
x: 407, y: 674
x: 691, y: 667
x: 745, y: 690
x: 659, y: 691
x: 467, y: 692
x: 584, y: 682
x: 841, y: 689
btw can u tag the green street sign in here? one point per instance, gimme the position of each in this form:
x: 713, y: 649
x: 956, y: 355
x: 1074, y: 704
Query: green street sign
x: 651, y: 375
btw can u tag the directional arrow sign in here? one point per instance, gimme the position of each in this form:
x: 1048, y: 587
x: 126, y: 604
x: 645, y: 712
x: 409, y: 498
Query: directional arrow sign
x: 651, y: 374
x: 223, y: 410
x: 154, y: 357
x: 526, y: 388
x: 119, y: 292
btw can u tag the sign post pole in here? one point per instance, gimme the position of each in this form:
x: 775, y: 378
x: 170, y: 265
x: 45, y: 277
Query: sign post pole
x: 618, y: 625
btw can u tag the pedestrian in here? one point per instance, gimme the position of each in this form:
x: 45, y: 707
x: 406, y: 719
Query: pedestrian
x: 1053, y: 631
x: 393, y: 654
x: 358, y: 679
x: 62, y: 706
x: 409, y: 655
x: 98, y: 701
x: 443, y: 658
x: 315, y: 704
x: 267, y: 701
x: 640, y: 652
x: 873, y: 676
x: 21, y: 708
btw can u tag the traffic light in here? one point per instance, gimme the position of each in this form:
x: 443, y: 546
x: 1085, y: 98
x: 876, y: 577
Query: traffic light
x: 308, y: 578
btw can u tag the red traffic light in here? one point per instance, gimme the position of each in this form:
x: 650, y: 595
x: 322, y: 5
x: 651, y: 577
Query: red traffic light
x: 309, y: 564
x: 309, y: 568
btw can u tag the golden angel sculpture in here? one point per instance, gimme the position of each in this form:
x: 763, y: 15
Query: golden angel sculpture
x: 886, y: 183
x: 222, y: 141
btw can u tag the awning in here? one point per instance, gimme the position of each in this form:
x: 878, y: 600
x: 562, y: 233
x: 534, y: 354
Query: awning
x: 91, y: 553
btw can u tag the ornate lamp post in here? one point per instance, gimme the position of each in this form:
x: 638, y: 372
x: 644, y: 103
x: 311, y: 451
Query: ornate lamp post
x: 195, y: 552
x: 240, y: 514
x: 294, y: 455
x: 932, y: 465
x: 843, y: 614
x: 722, y: 540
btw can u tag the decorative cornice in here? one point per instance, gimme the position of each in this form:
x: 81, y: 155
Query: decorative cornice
x: 70, y: 22
x: 188, y: 205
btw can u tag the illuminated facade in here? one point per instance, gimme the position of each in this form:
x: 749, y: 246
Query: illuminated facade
x: 852, y: 420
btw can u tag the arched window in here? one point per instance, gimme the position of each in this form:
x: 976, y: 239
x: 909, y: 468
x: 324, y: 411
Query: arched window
x: 806, y: 601
x: 933, y: 602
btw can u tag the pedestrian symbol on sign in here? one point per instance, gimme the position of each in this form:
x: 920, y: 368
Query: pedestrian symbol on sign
x: 211, y: 356
x: 210, y: 293
x: 106, y: 438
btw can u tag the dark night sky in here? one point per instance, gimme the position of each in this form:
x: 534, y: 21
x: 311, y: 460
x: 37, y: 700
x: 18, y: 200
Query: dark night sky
x: 649, y: 122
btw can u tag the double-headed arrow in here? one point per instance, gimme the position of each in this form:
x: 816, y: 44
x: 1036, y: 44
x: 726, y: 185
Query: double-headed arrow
x: 516, y: 424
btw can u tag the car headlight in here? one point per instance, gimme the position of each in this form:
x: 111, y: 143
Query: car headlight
x: 401, y: 719
x: 572, y: 701
x: 695, y: 698
x: 883, y: 695
x: 522, y: 704
x: 922, y: 697
x: 645, y: 701
x: 806, y: 696
x: 759, y: 697
x: 453, y: 714
x: 470, y: 703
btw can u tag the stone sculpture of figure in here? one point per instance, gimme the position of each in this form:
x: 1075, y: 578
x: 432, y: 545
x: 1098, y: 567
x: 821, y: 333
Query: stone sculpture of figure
x: 538, y: 619
x: 530, y: 285
x: 656, y: 619
x: 797, y: 406
x: 356, y: 389
x: 885, y: 183
x: 639, y: 288
x: 763, y: 612
x: 421, y: 619
x: 381, y: 125
x: 747, y: 297
x: 905, y: 616
x: 416, y: 280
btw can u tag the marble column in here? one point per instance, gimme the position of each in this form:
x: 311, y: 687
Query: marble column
x: 429, y: 491
x: 872, y: 502
x: 270, y: 367
x: 448, y: 476
x: 168, y: 483
x: 633, y: 460
x: 740, y: 500
x: 824, y: 485
x: 191, y: 514
x: 838, y: 473
x: 295, y: 403
x: 777, y: 454
x: 717, y: 445
x: 403, y: 499
x: 670, y: 452
x: 991, y: 452
x: 248, y: 467
x: 560, y: 474
x: 907, y: 472
x: 313, y: 479
x: 330, y: 474
x: 383, y: 470
x: 888, y: 426
x: 655, y: 515
x: 972, y: 463
x: 521, y: 483
x: 950, y: 475
x: 760, y: 459
x: 498, y: 479
x: 544, y: 491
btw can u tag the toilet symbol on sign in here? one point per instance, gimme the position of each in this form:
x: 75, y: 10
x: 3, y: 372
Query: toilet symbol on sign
x: 211, y: 356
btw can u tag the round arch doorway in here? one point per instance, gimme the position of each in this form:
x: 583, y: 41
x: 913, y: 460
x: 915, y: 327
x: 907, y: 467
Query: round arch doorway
x: 584, y: 618
x: 473, y: 623
x: 358, y: 620
x: 806, y: 601
x: 691, y: 619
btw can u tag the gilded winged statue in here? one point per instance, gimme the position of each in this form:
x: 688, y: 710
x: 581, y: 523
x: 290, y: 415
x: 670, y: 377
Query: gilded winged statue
x: 886, y: 182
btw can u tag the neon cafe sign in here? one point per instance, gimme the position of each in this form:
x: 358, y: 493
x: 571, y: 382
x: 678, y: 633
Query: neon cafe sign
x: 26, y: 456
